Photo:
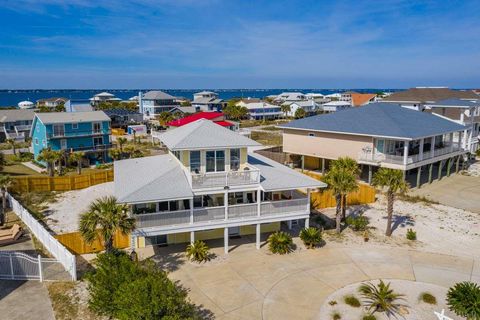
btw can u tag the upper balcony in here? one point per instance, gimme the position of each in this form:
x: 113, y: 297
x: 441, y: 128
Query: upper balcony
x: 77, y: 133
x: 249, y: 175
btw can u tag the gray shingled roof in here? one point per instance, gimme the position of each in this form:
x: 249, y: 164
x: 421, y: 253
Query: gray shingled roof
x: 157, y: 95
x: 276, y: 176
x: 150, y: 179
x: 66, y: 117
x: 456, y: 103
x: 429, y: 95
x: 204, y: 134
x: 12, y: 115
x: 380, y: 120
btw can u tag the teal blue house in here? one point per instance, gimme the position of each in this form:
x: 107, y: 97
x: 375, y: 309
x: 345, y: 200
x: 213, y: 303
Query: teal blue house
x: 89, y: 132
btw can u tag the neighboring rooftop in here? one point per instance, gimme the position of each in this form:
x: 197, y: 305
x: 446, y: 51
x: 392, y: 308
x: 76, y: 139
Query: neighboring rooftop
x: 68, y: 117
x: 12, y: 115
x: 429, y: 95
x: 157, y: 95
x: 53, y: 99
x: 360, y: 99
x: 456, y: 103
x: 379, y: 120
x: 120, y: 112
x: 104, y: 94
x: 155, y: 178
x: 199, y: 115
x: 203, y: 134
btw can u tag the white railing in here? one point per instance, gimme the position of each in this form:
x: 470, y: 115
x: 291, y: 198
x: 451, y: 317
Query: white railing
x: 242, y: 210
x: 284, y: 206
x: 222, y: 179
x: 208, y: 214
x: 162, y: 218
x: 57, y: 250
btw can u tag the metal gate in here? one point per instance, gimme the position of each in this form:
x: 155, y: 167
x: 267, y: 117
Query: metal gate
x: 15, y: 265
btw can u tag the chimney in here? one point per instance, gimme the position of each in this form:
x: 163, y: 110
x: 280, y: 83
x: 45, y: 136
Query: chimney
x: 140, y: 102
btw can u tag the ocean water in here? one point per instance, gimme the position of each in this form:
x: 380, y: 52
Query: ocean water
x: 10, y: 98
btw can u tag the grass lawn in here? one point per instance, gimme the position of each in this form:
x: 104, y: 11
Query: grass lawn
x: 69, y: 301
x: 18, y: 169
x: 267, y: 138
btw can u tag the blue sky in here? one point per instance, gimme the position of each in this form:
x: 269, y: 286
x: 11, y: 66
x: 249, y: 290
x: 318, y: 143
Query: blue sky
x: 238, y: 44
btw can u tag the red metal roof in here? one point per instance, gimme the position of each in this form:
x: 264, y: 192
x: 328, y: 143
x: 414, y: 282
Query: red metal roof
x: 194, y: 117
x: 224, y: 123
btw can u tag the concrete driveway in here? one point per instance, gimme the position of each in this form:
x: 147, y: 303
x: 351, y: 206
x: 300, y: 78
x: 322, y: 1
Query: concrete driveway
x: 255, y: 284
x: 26, y: 300
x: 456, y: 191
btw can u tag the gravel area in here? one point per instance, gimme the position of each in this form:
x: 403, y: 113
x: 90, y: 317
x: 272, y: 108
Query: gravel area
x: 414, y: 309
x: 63, y: 215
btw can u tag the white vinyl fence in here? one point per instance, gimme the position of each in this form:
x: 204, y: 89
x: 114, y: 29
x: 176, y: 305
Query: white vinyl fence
x: 57, y: 250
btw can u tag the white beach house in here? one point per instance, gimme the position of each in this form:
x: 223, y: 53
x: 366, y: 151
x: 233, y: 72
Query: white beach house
x: 209, y: 186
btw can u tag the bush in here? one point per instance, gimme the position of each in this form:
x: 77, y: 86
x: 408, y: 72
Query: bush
x: 369, y: 317
x: 381, y: 298
x: 357, y: 223
x: 311, y: 237
x: 411, y: 234
x: 198, y: 251
x: 352, y: 301
x: 122, y: 289
x: 336, y: 315
x: 428, y: 298
x: 463, y: 299
x: 280, y: 242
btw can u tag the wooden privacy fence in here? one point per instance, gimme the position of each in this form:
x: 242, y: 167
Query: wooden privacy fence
x: 64, y: 183
x: 75, y: 243
x: 324, y: 199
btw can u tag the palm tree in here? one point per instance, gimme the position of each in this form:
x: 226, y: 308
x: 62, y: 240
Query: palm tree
x: 394, y: 182
x: 351, y: 166
x: 311, y: 237
x: 107, y: 215
x: 300, y: 113
x: 78, y: 157
x: 463, y: 299
x: 341, y: 181
x: 115, y: 154
x: 198, y: 252
x: 285, y: 109
x: 280, y: 242
x: 121, y: 141
x: 164, y: 118
x: 48, y: 156
x: 381, y: 298
x: 5, y: 183
x: 12, y: 144
x: 60, y: 157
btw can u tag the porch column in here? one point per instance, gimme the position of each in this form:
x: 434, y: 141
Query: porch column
x: 225, y: 203
x: 259, y: 203
x: 430, y: 169
x: 465, y: 135
x: 307, y: 223
x: 405, y: 152
x: 257, y: 234
x: 449, y: 166
x: 369, y: 174
x: 433, y: 147
x: 225, y: 236
x: 404, y: 175
x: 420, y: 155
x: 133, y: 242
x: 419, y: 175
x: 458, y: 164
x: 289, y: 224
x: 451, y: 141
x: 440, y: 167
x: 191, y: 210
x: 303, y: 162
x: 460, y: 139
x: 308, y: 201
x: 323, y: 166
x: 192, y: 236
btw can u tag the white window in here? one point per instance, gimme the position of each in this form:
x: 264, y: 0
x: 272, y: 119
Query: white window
x: 58, y: 130
x: 97, y: 127
x: 97, y: 141
x: 63, y: 144
x: 74, y: 125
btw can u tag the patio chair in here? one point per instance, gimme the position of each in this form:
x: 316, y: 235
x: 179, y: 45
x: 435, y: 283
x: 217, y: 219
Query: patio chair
x: 10, y: 235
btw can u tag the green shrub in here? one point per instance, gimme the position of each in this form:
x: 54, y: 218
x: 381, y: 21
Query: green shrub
x: 411, y: 234
x: 357, y: 223
x: 280, y: 242
x: 369, y: 317
x: 311, y: 237
x: 198, y: 251
x: 381, y: 298
x: 464, y: 299
x: 336, y: 315
x: 428, y: 298
x: 352, y: 301
x: 122, y: 289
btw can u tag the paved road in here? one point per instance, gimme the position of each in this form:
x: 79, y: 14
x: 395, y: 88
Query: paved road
x: 26, y: 300
x: 456, y: 191
x: 254, y: 284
